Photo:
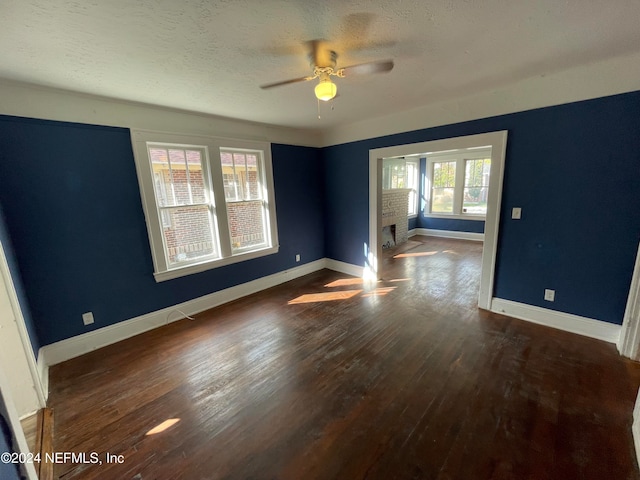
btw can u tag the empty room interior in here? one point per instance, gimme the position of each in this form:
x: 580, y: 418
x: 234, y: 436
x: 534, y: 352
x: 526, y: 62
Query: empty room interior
x: 319, y: 240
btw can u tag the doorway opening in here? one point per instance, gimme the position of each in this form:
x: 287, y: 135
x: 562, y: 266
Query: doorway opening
x: 497, y: 142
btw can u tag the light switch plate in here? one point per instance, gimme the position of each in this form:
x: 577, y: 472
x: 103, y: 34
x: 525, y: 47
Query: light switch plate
x: 516, y: 213
x: 87, y: 318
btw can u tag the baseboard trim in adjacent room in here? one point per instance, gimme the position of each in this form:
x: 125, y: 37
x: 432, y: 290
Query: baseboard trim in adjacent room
x: 75, y: 346
x: 562, y: 321
x: 429, y: 232
x: 43, y: 373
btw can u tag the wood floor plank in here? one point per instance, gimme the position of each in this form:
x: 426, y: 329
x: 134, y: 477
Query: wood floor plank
x: 330, y: 377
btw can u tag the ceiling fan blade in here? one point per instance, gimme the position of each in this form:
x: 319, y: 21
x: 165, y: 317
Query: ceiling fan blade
x: 368, y: 68
x: 286, y: 82
x: 314, y: 55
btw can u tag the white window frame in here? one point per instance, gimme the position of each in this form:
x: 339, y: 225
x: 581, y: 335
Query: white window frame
x: 459, y: 157
x: 212, y: 173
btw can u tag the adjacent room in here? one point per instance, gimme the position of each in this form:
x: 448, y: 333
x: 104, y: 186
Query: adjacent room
x: 294, y: 239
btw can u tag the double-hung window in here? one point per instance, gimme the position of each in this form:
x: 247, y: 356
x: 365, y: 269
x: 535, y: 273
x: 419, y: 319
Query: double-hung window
x: 402, y: 173
x: 208, y: 201
x: 458, y: 183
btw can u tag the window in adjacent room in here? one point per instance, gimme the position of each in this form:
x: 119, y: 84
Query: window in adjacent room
x: 208, y: 202
x: 458, y: 183
x: 402, y: 173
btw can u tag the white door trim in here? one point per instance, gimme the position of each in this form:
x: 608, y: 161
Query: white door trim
x: 630, y: 334
x: 16, y: 427
x: 26, y: 350
x: 498, y: 143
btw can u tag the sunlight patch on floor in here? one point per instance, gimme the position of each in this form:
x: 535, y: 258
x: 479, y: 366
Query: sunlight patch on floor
x: 324, y: 297
x: 343, y: 282
x: 163, y: 426
x: 416, y: 254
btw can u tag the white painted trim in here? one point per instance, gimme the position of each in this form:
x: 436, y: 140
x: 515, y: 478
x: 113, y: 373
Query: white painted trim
x: 14, y: 422
x: 429, y: 232
x: 36, y: 101
x: 29, y: 355
x: 630, y: 334
x: 210, y: 148
x: 463, y: 216
x: 343, y: 267
x: 498, y: 143
x: 608, y: 77
x: 588, y: 327
x: 87, y: 342
x: 43, y: 373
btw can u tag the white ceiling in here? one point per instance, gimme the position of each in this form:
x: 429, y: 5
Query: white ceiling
x: 211, y: 56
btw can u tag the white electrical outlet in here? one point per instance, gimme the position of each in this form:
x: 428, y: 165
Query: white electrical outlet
x: 297, y: 257
x: 549, y: 295
x: 516, y: 213
x: 87, y: 318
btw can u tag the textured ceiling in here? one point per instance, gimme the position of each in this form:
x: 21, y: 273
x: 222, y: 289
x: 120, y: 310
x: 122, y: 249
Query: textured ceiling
x: 211, y: 56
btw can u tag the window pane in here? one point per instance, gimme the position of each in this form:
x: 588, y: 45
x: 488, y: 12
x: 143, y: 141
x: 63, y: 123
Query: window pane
x: 162, y: 176
x: 189, y: 234
x: 178, y: 161
x: 413, y: 197
x: 253, y: 181
x: 476, y: 182
x: 444, y: 182
x: 229, y: 177
x: 241, y: 176
x: 442, y: 200
x: 196, y: 179
x: 386, y: 177
x: 398, y: 176
x: 239, y: 164
x: 246, y: 224
x: 444, y: 174
x: 178, y: 176
x: 412, y: 183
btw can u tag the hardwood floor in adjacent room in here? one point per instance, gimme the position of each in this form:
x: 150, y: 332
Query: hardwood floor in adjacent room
x: 325, y: 377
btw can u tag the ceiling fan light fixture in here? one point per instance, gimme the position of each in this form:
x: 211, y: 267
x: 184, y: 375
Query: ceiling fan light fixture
x: 326, y: 89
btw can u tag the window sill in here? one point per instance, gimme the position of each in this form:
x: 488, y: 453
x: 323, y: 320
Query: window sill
x: 211, y: 264
x: 480, y: 218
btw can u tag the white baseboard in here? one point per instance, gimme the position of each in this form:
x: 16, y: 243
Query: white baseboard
x: 429, y: 232
x: 75, y: 346
x: 342, y: 267
x: 562, y: 321
x: 43, y: 373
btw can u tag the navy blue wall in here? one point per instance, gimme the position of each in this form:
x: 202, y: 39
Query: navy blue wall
x: 74, y: 217
x: 73, y: 212
x: 573, y: 169
x: 452, y: 224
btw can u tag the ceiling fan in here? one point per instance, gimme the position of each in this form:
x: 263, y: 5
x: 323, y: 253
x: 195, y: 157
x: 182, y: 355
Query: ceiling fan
x: 323, y: 62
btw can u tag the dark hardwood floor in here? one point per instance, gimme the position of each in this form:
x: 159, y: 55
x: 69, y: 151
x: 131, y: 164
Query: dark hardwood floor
x: 325, y: 377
